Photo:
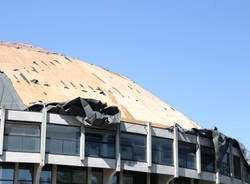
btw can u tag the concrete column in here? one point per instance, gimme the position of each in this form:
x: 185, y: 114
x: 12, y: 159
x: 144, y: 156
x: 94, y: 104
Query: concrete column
x: 16, y: 173
x: 54, y: 170
x: 149, y: 145
x: 198, y: 154
x: 108, y: 175
x: 121, y: 177
x: 217, y: 176
x: 89, y: 175
x: 148, y: 178
x: 43, y: 137
x: 165, y: 179
x: 37, y: 172
x: 2, y: 129
x: 176, y: 159
x: 117, y: 149
x: 82, y: 143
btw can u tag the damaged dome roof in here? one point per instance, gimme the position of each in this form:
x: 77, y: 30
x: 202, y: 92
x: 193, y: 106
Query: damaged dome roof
x: 38, y: 75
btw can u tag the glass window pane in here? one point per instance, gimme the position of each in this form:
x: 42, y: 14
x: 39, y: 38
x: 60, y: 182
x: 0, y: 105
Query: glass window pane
x: 207, y: 159
x: 6, y: 182
x: 54, y: 146
x: 133, y: 147
x: 139, y: 154
x: 126, y: 153
x: 237, y: 167
x: 127, y: 179
x: 63, y: 132
x: 13, y: 143
x: 79, y: 176
x: 31, y: 144
x: 92, y: 149
x: 16, y: 129
x: 63, y: 176
x: 225, y: 165
x: 96, y: 177
x: 6, y: 172
x: 25, y: 173
x: 71, y: 147
x: 45, y: 175
x: 187, y: 154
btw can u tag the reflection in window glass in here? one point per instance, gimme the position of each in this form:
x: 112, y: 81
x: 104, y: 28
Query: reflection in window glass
x: 237, y: 168
x: 25, y: 173
x: 20, y: 137
x: 127, y: 179
x: 133, y: 147
x: 207, y: 159
x: 63, y: 139
x: 134, y: 178
x: 187, y: 155
x: 162, y: 151
x: 100, y: 145
x: 70, y: 175
x: 45, y: 175
x: 97, y: 176
x: 115, y: 179
x: 7, y: 173
x: 225, y: 169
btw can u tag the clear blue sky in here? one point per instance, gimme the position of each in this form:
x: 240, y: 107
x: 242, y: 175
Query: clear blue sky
x: 193, y: 54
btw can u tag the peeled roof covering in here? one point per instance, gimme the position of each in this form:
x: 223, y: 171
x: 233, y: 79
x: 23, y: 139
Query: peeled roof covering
x: 41, y: 75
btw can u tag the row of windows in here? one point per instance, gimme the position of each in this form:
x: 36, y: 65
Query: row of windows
x: 66, y: 140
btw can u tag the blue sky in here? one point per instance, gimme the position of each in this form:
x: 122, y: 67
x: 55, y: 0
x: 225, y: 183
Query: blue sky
x: 193, y: 54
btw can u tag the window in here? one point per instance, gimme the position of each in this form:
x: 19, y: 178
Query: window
x: 7, y: 173
x: 134, y: 177
x: 162, y: 151
x: 25, y: 173
x: 207, y: 159
x: 245, y: 173
x: 225, y: 169
x: 187, y: 155
x: 22, y: 137
x: 46, y: 175
x: 237, y: 168
x: 133, y: 147
x: 100, y: 145
x: 97, y: 176
x: 70, y: 175
x: 115, y: 179
x: 63, y: 139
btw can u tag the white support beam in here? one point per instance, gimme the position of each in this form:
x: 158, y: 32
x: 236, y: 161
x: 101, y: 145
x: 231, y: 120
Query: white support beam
x: 2, y: 129
x: 176, y: 159
x: 43, y: 137
x: 198, y: 154
x: 117, y: 149
x: 149, y: 144
x: 82, y: 143
x: 37, y: 172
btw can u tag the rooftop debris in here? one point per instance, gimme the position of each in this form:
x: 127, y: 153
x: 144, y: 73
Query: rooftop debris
x: 24, y: 78
x: 67, y: 59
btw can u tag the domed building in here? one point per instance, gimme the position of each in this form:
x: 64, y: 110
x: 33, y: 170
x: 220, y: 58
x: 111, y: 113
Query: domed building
x: 64, y: 121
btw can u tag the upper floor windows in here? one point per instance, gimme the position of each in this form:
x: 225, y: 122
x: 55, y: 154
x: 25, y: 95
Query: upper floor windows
x: 187, y: 154
x: 207, y: 159
x: 63, y: 139
x: 162, y: 151
x: 237, y: 168
x: 133, y: 147
x: 225, y: 167
x: 22, y: 137
x: 100, y: 144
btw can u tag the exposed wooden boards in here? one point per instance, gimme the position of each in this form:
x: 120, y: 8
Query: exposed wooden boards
x: 60, y: 78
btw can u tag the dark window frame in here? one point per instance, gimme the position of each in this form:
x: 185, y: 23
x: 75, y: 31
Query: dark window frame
x: 20, y: 123
x: 187, y: 144
x: 162, y: 151
x: 133, y: 147
x: 77, y: 141
x: 88, y: 132
x: 212, y: 149
x: 70, y: 169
